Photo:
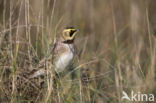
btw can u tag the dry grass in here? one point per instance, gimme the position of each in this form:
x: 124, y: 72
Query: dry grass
x: 116, y: 49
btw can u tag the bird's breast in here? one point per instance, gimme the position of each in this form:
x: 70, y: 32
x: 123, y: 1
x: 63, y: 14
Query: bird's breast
x: 63, y: 61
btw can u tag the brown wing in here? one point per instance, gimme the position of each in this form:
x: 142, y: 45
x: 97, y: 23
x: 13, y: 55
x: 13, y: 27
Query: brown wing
x: 47, y: 62
x: 43, y: 64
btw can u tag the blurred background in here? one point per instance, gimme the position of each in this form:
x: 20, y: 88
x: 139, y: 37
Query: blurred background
x: 116, y: 44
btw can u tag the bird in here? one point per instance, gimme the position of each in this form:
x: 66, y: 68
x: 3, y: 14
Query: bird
x: 61, y: 56
x: 30, y: 81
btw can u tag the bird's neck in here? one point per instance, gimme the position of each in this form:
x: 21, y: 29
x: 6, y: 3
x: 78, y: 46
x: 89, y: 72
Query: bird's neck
x: 61, y: 39
x: 68, y: 41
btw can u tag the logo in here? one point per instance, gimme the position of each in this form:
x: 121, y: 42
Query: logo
x: 137, y: 96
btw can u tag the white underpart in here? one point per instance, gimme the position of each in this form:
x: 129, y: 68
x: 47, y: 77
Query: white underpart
x: 64, y: 60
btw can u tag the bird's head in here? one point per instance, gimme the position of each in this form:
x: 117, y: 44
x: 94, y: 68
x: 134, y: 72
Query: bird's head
x: 69, y: 33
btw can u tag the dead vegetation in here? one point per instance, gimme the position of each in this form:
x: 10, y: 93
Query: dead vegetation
x: 116, y: 50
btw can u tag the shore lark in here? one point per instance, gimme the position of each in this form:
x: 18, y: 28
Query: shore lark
x: 62, y: 53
